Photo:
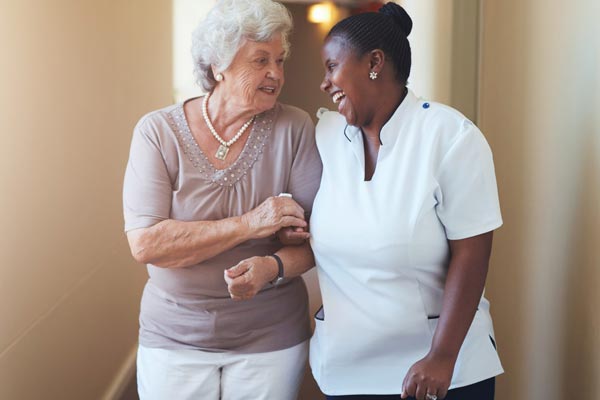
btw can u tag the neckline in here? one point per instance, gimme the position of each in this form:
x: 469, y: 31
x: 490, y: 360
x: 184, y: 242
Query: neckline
x: 403, y: 107
x: 251, y: 152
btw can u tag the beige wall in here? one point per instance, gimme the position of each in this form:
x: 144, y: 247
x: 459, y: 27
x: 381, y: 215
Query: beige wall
x: 539, y: 109
x: 303, y: 70
x: 444, y: 43
x: 74, y: 77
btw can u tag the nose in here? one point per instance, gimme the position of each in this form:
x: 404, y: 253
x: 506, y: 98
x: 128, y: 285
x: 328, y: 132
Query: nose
x: 275, y: 72
x: 325, y: 85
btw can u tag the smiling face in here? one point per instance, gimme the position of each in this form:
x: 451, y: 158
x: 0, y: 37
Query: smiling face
x: 347, y: 81
x: 255, y: 77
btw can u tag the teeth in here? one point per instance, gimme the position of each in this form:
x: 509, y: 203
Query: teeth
x: 338, y: 96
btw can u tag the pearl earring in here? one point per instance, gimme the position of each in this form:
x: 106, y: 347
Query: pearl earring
x: 373, y: 75
x: 219, y: 77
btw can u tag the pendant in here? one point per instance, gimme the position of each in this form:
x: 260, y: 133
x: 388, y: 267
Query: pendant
x: 221, y: 154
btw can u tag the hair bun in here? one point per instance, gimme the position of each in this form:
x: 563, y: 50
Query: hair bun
x: 399, y: 15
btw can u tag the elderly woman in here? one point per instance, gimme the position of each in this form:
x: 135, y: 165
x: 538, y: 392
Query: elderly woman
x: 403, y: 312
x: 202, y: 206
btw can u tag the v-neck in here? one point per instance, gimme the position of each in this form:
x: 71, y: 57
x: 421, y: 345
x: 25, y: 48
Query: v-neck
x: 228, y: 176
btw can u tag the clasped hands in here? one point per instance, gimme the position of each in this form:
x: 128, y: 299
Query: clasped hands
x: 276, y: 215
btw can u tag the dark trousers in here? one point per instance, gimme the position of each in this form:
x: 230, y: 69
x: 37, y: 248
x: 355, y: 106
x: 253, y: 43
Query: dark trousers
x: 483, y: 390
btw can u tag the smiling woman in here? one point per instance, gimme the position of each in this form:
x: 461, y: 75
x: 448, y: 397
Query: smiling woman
x: 203, y: 211
x: 419, y: 177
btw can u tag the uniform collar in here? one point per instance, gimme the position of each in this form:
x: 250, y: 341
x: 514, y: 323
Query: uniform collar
x: 389, y: 130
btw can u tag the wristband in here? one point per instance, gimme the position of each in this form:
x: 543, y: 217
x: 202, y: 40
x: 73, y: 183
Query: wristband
x: 279, y: 277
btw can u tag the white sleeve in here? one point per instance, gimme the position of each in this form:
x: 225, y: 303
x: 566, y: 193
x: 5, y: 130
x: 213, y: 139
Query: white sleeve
x: 305, y: 175
x: 467, y: 196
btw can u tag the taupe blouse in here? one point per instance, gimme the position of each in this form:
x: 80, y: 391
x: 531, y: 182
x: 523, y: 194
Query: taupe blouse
x: 169, y: 177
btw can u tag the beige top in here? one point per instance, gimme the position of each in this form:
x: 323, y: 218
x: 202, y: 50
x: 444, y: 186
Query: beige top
x: 169, y: 177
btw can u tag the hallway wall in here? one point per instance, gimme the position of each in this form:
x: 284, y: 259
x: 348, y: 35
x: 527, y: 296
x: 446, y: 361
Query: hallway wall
x: 539, y: 90
x: 75, y: 77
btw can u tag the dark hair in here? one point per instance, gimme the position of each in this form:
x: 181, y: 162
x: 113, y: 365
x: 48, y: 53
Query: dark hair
x: 387, y: 30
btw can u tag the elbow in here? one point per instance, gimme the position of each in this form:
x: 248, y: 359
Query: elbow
x: 138, y: 246
x: 140, y: 254
x: 144, y: 252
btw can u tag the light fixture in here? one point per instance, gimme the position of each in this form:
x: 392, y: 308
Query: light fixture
x: 320, y: 13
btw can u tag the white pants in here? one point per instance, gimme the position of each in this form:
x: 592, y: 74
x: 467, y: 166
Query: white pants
x: 200, y: 375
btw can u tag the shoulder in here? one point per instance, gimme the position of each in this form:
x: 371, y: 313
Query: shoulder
x: 332, y: 131
x: 330, y: 124
x: 158, y: 127
x: 445, y: 125
x: 329, y: 119
x: 156, y: 120
x: 434, y: 115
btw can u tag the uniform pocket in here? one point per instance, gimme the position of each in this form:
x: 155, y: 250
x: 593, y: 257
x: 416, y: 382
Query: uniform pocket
x: 320, y: 314
x: 493, y: 342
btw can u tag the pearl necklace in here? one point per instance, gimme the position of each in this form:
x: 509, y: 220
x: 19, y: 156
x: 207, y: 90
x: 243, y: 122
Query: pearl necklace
x: 221, y: 153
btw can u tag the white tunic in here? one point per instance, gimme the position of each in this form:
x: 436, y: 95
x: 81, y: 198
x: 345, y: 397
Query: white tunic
x: 381, y: 246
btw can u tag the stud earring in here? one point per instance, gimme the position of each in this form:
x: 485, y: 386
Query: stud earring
x: 219, y: 77
x: 373, y: 75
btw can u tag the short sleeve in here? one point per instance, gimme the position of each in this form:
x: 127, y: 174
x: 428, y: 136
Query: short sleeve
x: 147, y: 189
x: 305, y: 174
x: 468, y: 202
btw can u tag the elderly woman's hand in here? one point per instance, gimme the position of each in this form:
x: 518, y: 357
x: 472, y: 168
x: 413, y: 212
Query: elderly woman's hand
x: 249, y: 276
x: 429, y: 378
x: 274, y: 214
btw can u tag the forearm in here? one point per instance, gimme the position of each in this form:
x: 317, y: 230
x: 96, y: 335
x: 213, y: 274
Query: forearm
x: 173, y: 244
x: 296, y: 259
x: 462, y: 292
x: 249, y: 276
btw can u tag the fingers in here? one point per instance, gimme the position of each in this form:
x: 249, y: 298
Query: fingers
x: 404, y: 393
x: 433, y: 393
x: 293, y: 221
x: 293, y: 235
x: 240, y: 285
x: 246, y: 279
x: 285, y: 206
x: 236, y: 278
x: 441, y: 393
x: 237, y: 270
x: 235, y: 297
x: 289, y: 207
x: 240, y: 292
x: 272, y: 215
x: 420, y: 391
x: 409, y: 389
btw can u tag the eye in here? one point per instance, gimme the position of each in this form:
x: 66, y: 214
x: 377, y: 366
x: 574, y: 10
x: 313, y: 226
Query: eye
x: 262, y: 61
x: 280, y: 61
x: 331, y: 66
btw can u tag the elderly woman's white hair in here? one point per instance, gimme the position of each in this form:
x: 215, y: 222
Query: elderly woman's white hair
x: 217, y: 39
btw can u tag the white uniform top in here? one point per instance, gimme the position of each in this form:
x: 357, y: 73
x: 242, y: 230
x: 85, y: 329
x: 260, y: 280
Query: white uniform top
x: 381, y: 246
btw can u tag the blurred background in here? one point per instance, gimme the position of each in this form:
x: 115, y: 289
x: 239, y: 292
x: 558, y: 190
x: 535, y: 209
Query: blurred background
x: 75, y: 76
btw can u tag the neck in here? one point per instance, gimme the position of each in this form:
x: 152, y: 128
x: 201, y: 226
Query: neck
x: 225, y: 111
x: 383, y: 111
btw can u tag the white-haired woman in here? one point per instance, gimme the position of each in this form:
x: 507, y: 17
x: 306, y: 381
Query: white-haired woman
x: 202, y: 206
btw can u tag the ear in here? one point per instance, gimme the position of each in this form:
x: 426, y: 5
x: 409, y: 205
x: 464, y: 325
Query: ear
x: 214, y: 71
x: 376, y: 60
